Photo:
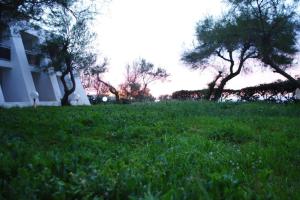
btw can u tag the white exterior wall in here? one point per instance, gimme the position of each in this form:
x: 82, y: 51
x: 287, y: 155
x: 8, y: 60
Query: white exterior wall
x: 80, y: 90
x: 1, y: 96
x: 18, y: 79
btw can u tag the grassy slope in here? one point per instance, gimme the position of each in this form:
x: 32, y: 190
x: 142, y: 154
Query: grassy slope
x: 176, y: 150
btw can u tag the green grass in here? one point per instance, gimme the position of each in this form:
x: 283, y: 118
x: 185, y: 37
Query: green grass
x: 177, y: 150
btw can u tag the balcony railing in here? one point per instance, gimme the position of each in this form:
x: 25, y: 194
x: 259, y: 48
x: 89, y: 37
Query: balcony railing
x: 33, y: 58
x: 5, y: 52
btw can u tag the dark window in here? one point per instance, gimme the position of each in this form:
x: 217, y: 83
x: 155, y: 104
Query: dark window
x: 4, y: 53
x: 4, y: 44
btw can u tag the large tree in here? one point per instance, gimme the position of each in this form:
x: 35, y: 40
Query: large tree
x: 262, y: 29
x: 274, y: 27
x: 223, y: 39
x: 68, y: 45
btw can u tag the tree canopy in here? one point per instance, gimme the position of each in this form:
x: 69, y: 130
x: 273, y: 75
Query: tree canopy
x: 225, y: 39
x: 15, y: 11
x: 138, y: 77
x: 273, y: 26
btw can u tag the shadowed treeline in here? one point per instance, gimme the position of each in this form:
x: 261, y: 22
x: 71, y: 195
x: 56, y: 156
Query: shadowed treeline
x: 279, y: 91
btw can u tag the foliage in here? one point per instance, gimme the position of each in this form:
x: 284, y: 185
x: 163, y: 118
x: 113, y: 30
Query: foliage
x: 190, y: 94
x: 13, y: 12
x: 164, y: 97
x: 177, y: 150
x: 278, y: 91
x: 137, y: 79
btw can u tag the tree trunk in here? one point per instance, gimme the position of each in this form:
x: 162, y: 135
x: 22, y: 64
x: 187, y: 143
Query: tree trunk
x: 220, y: 89
x: 144, y: 90
x: 232, y: 74
x: 64, y: 99
x: 243, y: 57
x: 211, y: 86
x: 67, y: 91
x: 277, y: 69
x: 116, y: 93
x: 111, y: 89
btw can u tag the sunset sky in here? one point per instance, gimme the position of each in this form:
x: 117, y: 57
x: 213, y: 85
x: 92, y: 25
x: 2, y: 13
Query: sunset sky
x: 160, y: 31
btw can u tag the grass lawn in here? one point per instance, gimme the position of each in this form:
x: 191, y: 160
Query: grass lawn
x: 174, y: 150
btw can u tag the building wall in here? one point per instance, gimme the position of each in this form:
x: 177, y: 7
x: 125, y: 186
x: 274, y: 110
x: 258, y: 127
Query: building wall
x: 13, y: 87
x: 43, y: 86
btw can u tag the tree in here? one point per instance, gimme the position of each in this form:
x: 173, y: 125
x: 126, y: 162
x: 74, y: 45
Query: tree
x: 149, y: 74
x: 112, y: 90
x: 138, y: 77
x: 221, y: 38
x: 94, y: 73
x: 68, y: 46
x: 12, y: 11
x: 265, y: 30
x: 274, y: 25
x: 131, y: 87
x: 90, y: 78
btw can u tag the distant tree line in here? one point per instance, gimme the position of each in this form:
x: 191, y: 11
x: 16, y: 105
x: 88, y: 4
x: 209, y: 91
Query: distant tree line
x: 279, y: 91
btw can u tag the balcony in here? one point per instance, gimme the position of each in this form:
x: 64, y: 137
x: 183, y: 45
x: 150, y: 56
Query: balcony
x: 5, y: 53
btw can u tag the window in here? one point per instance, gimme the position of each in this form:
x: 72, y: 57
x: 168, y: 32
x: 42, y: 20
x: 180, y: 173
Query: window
x: 4, y: 45
x: 4, y: 53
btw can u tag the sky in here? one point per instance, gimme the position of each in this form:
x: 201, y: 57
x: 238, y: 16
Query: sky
x: 160, y: 31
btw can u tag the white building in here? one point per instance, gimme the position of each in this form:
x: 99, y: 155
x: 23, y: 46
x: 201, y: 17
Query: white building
x: 19, y: 76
